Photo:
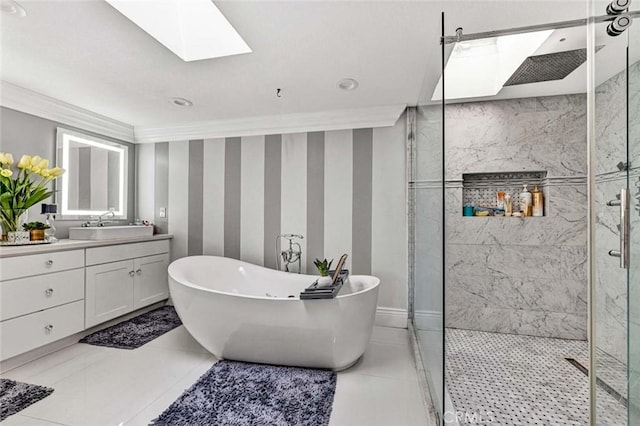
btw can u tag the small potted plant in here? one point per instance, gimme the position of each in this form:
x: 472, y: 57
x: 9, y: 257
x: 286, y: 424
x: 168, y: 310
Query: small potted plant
x: 323, y: 267
x: 36, y: 230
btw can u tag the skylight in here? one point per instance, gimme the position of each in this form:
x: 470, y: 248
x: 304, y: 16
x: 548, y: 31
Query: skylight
x: 479, y: 68
x: 192, y: 29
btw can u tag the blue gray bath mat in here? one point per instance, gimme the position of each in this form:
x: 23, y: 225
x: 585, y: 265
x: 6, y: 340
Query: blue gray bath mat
x: 133, y: 333
x: 16, y: 396
x: 241, y: 394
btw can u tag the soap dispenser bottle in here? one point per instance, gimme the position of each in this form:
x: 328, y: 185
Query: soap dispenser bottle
x: 537, y: 202
x: 525, y: 201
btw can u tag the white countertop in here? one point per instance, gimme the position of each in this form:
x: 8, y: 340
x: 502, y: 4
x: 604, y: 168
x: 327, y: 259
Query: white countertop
x: 62, y: 245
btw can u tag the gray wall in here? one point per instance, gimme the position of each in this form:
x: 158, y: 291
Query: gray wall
x: 343, y: 190
x: 22, y: 133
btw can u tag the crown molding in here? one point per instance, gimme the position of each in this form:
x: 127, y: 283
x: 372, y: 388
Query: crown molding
x: 383, y: 116
x: 27, y: 101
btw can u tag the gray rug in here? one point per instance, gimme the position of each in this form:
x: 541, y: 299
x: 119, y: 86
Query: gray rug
x: 242, y: 394
x: 133, y: 333
x: 16, y: 396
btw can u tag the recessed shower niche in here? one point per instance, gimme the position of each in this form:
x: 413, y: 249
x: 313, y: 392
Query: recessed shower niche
x: 480, y: 190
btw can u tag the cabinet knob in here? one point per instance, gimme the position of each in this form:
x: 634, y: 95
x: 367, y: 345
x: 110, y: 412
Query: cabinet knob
x: 48, y: 329
x: 131, y: 273
x: 48, y: 292
x: 49, y: 262
x: 139, y: 271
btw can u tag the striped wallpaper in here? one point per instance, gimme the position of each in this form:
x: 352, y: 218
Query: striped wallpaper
x: 343, y: 190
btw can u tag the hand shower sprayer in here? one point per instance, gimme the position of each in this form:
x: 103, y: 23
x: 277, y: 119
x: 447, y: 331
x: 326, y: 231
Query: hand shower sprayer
x: 291, y: 255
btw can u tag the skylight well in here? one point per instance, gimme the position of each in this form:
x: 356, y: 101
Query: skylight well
x: 192, y: 29
x: 479, y: 68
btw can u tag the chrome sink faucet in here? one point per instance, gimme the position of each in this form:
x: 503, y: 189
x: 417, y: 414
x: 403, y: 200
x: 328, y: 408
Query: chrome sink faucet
x: 100, y: 220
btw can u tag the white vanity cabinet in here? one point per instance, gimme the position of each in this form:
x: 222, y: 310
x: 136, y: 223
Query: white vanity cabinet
x: 123, y: 278
x: 54, y: 291
x: 151, y: 281
x: 109, y: 291
x: 41, y: 300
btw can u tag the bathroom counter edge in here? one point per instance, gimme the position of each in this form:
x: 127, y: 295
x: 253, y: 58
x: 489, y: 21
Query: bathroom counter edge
x: 63, y: 245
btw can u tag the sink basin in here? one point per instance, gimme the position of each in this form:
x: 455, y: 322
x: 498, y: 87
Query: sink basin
x: 109, y: 232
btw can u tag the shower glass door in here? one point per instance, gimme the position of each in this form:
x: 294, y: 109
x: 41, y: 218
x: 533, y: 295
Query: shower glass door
x: 426, y: 200
x: 616, y: 228
x: 633, y: 124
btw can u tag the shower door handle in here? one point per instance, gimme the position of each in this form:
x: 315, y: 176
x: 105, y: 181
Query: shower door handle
x: 622, y: 200
x: 624, y: 228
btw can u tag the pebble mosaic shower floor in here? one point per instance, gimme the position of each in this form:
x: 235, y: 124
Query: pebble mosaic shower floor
x: 506, y: 379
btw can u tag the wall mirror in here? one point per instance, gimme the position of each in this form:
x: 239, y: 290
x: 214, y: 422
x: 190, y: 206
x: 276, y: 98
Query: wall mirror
x: 95, y: 181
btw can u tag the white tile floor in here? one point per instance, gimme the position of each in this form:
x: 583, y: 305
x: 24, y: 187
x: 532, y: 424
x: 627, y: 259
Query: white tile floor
x: 96, y: 386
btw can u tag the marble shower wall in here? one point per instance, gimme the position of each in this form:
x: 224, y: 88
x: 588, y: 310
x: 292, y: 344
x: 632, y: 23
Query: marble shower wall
x: 518, y: 275
x: 611, y: 281
x: 426, y: 192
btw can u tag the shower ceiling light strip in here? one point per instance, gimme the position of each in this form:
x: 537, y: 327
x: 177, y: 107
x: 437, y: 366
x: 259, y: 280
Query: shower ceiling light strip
x: 192, y: 29
x: 478, y: 68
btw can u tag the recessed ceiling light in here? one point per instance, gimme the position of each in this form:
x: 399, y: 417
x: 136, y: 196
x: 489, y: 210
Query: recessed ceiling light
x: 181, y: 102
x: 348, y: 84
x: 192, y: 29
x: 493, y: 60
x: 12, y: 7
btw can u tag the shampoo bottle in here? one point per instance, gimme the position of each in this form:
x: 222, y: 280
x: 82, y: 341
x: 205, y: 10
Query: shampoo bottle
x: 525, y: 201
x: 537, y: 202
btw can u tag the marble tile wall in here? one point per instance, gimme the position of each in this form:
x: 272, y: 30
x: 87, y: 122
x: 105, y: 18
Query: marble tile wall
x: 612, y: 295
x: 521, y: 276
x: 426, y: 188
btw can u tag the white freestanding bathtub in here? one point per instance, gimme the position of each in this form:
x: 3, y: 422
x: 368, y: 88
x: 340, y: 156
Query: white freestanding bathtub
x: 242, y: 312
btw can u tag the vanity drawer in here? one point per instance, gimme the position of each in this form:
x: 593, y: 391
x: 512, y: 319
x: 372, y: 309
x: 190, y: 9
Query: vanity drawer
x: 37, y: 264
x: 115, y: 253
x: 26, y: 295
x: 20, y: 335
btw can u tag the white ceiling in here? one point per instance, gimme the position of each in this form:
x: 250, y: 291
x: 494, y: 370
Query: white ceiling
x: 88, y: 54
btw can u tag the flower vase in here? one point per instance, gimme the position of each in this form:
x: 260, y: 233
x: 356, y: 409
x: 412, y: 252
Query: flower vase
x: 50, y: 233
x: 12, y: 221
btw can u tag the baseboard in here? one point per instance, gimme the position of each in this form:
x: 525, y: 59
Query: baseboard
x: 428, y: 320
x: 391, y: 317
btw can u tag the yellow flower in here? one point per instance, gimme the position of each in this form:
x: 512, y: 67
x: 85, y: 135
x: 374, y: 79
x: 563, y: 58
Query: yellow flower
x: 43, y: 164
x: 25, y: 162
x: 6, y: 172
x: 56, y: 172
x: 36, y: 170
x: 45, y: 173
x: 35, y: 160
x: 6, y: 158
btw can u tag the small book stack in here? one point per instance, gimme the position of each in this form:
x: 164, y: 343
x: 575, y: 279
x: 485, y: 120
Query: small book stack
x: 328, y: 291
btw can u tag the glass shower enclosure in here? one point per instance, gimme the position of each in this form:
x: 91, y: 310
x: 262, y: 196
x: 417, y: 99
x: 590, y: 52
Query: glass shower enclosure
x: 615, y: 212
x: 607, y: 110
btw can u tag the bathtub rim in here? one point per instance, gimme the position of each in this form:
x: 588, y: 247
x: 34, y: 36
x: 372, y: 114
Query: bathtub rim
x: 248, y: 296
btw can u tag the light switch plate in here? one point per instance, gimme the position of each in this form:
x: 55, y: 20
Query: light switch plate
x: 163, y: 212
